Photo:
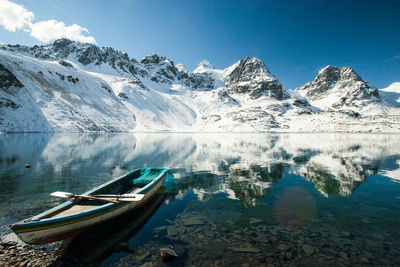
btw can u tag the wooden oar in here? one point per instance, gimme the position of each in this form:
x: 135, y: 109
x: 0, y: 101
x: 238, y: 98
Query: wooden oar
x: 134, y: 197
x: 107, y: 198
x: 68, y: 195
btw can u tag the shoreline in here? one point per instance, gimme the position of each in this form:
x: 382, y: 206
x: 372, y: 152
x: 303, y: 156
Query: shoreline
x: 13, y: 253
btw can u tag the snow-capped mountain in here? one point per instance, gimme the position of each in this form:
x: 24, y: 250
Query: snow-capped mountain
x: 343, y: 88
x: 70, y: 86
x: 251, y: 76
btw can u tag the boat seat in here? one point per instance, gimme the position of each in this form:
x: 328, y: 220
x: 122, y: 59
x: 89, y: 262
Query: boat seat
x: 74, y: 209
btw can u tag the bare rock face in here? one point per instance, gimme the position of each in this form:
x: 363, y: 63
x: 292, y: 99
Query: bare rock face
x: 202, y: 78
x: 325, y: 80
x: 344, y: 84
x: 357, y: 88
x: 8, y: 80
x: 199, y: 81
x: 7, y: 103
x: 225, y: 98
x: 161, y: 69
x: 150, y: 61
x: 251, y: 76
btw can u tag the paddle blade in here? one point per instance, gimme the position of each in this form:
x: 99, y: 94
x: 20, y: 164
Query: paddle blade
x: 60, y: 194
x: 131, y: 197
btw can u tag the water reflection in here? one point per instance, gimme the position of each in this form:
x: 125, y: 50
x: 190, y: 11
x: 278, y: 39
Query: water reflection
x: 243, y: 166
x: 279, y: 197
x: 251, y: 164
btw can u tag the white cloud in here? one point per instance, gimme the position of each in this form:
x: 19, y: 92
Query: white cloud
x: 15, y: 17
x: 52, y: 29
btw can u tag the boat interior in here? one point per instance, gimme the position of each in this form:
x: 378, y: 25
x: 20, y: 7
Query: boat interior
x: 130, y: 183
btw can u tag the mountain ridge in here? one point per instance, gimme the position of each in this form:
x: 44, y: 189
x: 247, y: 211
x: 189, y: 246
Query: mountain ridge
x: 72, y: 86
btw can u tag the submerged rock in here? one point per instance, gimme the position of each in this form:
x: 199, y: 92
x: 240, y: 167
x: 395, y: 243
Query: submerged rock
x: 343, y: 255
x: 168, y: 254
x: 283, y: 247
x: 192, y: 221
x: 308, y: 250
x: 247, y: 250
x: 345, y: 234
x: 172, y: 231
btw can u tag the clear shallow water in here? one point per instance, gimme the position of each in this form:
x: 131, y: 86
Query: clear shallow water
x: 240, y: 198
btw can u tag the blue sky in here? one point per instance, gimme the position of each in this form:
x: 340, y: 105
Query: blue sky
x: 293, y: 38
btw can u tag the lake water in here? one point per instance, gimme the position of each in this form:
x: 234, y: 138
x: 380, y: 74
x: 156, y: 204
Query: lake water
x: 239, y: 199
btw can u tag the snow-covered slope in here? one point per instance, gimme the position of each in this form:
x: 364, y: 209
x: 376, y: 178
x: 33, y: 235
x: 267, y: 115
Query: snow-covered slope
x: 391, y: 94
x: 47, y: 96
x: 69, y: 86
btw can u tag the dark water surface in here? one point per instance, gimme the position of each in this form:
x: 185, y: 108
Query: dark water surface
x: 240, y: 199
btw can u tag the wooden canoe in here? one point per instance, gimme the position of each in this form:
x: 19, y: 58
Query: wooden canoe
x: 100, y: 241
x: 71, y: 217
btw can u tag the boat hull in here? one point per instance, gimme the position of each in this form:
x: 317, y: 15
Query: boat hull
x: 59, y: 228
x: 99, y: 242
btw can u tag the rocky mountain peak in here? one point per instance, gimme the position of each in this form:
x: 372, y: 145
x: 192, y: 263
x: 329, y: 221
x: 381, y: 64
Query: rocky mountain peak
x: 153, y: 60
x: 84, y: 53
x: 248, y: 69
x: 182, y: 68
x: 325, y: 80
x: 356, y: 89
x: 150, y: 61
x: 344, y: 87
x: 331, y: 74
x: 250, y: 75
x: 203, y: 66
x: 347, y: 73
x: 161, y: 68
x: 328, y: 75
x: 62, y: 43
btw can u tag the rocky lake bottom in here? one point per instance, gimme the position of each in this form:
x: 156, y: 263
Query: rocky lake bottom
x: 289, y: 230
x: 238, y: 200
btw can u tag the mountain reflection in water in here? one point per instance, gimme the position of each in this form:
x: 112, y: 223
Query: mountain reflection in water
x: 304, y: 198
